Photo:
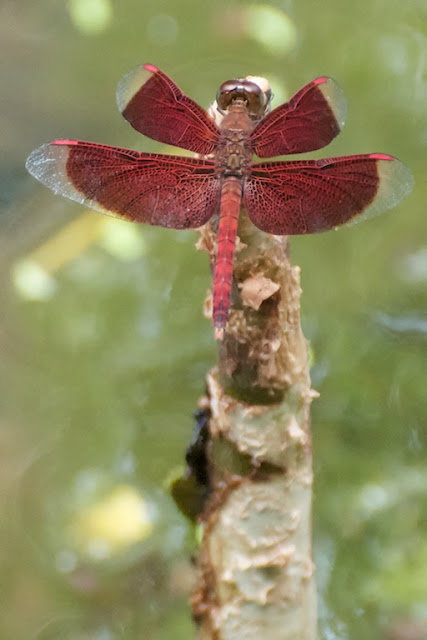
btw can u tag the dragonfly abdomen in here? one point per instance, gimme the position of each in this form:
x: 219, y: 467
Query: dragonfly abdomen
x: 231, y: 198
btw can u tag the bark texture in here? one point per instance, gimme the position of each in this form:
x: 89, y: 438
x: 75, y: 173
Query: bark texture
x: 255, y: 569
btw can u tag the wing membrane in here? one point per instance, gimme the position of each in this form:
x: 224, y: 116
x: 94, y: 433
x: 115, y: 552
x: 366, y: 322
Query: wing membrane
x: 291, y: 198
x: 309, y: 121
x: 167, y: 191
x: 155, y: 106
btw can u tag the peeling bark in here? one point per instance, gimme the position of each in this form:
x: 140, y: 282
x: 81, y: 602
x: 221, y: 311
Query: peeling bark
x: 255, y: 569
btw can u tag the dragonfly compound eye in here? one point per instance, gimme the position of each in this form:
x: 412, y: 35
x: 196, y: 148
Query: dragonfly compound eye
x: 241, y: 89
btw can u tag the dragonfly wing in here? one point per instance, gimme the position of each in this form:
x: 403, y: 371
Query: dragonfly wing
x: 167, y: 191
x: 310, y: 120
x: 155, y: 106
x: 291, y: 198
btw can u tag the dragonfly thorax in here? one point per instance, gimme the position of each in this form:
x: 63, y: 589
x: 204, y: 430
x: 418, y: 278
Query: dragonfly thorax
x: 234, y: 152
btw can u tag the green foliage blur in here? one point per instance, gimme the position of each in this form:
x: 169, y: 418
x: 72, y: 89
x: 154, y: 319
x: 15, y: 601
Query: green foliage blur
x: 103, y: 358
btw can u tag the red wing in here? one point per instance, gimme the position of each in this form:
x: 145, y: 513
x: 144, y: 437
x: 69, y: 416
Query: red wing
x: 168, y: 191
x: 156, y: 107
x: 309, y: 121
x: 291, y: 198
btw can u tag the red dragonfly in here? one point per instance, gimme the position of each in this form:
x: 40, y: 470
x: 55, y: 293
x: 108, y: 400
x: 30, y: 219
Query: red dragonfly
x: 283, y: 198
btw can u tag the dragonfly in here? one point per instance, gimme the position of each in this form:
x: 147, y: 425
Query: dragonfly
x: 293, y: 197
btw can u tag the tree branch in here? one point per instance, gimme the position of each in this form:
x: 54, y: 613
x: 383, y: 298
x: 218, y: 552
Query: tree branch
x: 255, y: 565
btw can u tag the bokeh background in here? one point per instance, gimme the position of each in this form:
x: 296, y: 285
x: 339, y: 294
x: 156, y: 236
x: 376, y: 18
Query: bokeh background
x: 104, y: 349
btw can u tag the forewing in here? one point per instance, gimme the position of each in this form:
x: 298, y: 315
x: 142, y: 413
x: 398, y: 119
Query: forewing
x: 153, y: 104
x: 291, y: 198
x: 310, y: 120
x: 168, y: 191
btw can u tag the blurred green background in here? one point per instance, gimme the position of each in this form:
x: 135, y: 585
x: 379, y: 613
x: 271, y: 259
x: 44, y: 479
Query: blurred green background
x: 103, y: 347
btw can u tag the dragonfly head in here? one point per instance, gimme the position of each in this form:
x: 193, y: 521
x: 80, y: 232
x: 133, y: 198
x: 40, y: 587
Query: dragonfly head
x: 249, y: 90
